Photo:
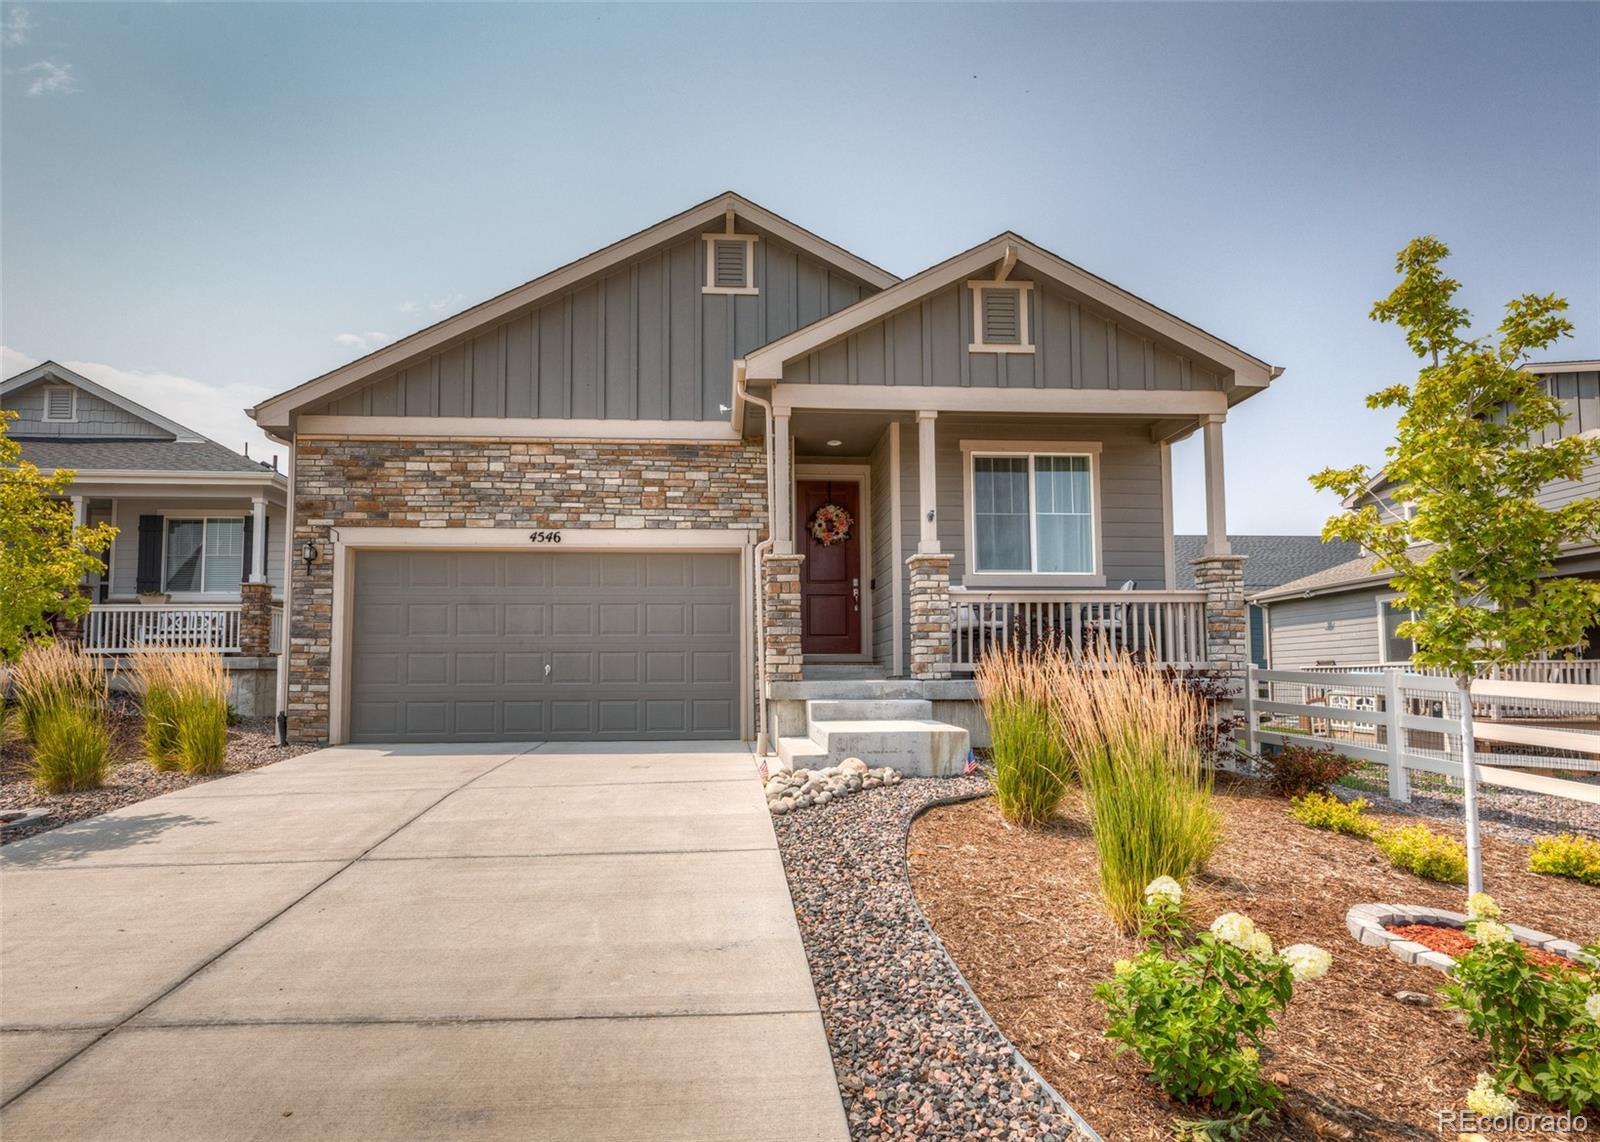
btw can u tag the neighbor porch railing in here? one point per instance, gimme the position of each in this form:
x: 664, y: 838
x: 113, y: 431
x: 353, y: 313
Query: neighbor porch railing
x: 1574, y: 672
x: 1167, y: 626
x: 121, y: 628
x: 275, y: 635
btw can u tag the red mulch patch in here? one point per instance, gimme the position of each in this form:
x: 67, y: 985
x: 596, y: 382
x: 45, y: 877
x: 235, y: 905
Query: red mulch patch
x: 1019, y: 911
x: 1455, y: 942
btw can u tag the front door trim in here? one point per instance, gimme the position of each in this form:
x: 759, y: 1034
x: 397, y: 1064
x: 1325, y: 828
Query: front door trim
x: 861, y: 475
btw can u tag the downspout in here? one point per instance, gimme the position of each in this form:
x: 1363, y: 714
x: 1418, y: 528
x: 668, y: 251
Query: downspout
x: 282, y: 719
x: 740, y: 395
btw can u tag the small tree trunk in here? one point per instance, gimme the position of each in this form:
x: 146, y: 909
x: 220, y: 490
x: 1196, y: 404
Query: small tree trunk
x: 1469, y: 785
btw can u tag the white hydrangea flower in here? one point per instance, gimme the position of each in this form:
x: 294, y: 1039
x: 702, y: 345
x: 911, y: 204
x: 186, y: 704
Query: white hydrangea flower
x: 1481, y: 906
x: 1234, y: 928
x: 1260, y: 945
x: 1484, y: 1099
x: 1307, y: 961
x: 1163, y: 888
x: 1492, y: 932
x: 1592, y: 1006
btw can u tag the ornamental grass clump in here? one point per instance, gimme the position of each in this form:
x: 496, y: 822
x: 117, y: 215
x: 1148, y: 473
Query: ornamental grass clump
x: 62, y: 696
x: 158, y: 697
x: 1567, y: 855
x: 1198, y: 1007
x: 1031, y: 771
x: 1133, y: 739
x: 199, y: 711
x: 1325, y: 811
x: 1541, y: 1024
x: 1418, y: 849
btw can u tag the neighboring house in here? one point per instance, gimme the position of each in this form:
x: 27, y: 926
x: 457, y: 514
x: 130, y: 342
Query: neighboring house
x: 724, y: 466
x: 196, y: 521
x: 1270, y: 561
x: 1340, y: 616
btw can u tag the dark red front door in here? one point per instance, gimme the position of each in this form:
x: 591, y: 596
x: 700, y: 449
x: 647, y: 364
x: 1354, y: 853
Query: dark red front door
x: 830, y: 577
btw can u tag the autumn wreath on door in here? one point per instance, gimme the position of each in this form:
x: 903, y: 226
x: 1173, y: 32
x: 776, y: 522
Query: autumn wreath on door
x: 831, y: 524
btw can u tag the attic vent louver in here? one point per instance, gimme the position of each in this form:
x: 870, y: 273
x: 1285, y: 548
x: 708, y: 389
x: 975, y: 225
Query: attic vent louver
x: 729, y: 265
x: 1001, y: 325
x: 60, y: 403
x: 1000, y: 319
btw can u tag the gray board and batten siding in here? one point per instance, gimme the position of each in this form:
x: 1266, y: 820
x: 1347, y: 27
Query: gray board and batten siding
x: 641, y: 342
x: 1075, y: 346
x: 95, y: 418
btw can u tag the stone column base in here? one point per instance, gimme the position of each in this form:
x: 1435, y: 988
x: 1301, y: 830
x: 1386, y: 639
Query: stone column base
x: 255, y: 620
x: 1221, y: 577
x: 780, y: 586
x: 930, y: 616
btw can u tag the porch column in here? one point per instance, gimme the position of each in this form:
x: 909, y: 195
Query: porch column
x: 780, y: 587
x: 258, y: 540
x: 930, y: 616
x: 782, y: 484
x: 255, y: 619
x: 1221, y: 577
x: 80, y: 508
x: 927, y: 488
x: 1216, y: 496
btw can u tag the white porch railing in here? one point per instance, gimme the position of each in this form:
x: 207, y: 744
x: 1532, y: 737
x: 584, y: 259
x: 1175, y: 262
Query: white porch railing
x: 275, y: 637
x: 1168, y: 626
x: 1565, y: 672
x: 121, y: 628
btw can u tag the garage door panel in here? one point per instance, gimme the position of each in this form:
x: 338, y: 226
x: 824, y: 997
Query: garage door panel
x: 570, y: 645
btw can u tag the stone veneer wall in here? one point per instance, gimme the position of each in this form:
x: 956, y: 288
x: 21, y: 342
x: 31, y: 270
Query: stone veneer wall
x: 930, y: 616
x: 485, y: 482
x: 255, y: 619
x: 780, y: 585
x: 1221, y: 577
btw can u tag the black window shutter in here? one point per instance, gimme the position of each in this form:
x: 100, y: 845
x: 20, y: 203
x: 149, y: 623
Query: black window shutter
x: 249, y: 526
x: 148, y: 574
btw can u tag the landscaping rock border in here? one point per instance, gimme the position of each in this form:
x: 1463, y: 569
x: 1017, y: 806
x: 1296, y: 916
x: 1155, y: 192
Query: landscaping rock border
x: 914, y: 1050
x: 789, y: 790
x: 1369, y: 924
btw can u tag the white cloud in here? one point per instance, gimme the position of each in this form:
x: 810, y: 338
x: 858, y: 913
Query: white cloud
x: 212, y: 408
x: 361, y: 342
x: 15, y: 27
x: 409, y: 307
x: 47, y: 77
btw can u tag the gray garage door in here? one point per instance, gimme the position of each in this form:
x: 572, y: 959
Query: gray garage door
x: 544, y: 645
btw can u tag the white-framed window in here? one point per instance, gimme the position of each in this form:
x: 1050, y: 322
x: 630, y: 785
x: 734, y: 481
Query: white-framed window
x: 1033, y: 512
x: 60, y: 403
x: 1000, y: 318
x: 730, y: 263
x: 203, y: 556
x: 1391, y: 646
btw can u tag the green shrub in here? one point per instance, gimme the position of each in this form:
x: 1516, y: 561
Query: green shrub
x: 1133, y: 739
x: 71, y: 748
x: 1325, y: 811
x: 1030, y: 766
x: 1197, y: 1008
x: 1540, y: 1024
x: 1420, y: 850
x: 1567, y: 855
x: 1292, y: 770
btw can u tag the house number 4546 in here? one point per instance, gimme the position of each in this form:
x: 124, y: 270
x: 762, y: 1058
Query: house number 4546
x: 544, y: 536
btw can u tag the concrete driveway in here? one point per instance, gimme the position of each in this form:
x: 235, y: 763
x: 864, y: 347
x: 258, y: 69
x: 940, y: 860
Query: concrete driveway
x: 517, y: 942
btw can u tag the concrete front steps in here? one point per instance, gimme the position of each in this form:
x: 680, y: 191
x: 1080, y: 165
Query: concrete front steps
x: 897, y: 732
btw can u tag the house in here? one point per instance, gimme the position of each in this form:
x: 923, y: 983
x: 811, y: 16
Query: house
x: 1270, y: 561
x: 1340, y: 615
x: 725, y: 479
x: 198, y: 556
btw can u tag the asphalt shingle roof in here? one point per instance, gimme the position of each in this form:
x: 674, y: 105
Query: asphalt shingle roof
x: 136, y: 455
x: 1272, y: 559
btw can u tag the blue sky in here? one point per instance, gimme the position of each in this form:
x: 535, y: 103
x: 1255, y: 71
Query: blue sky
x: 204, y: 204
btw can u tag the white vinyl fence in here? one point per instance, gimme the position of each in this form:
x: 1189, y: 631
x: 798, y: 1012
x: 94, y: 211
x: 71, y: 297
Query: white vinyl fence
x: 1407, y: 721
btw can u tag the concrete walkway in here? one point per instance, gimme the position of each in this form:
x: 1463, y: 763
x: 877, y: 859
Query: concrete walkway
x: 507, y: 942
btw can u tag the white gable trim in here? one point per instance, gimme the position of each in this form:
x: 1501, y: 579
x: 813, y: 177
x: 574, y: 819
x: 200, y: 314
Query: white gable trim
x: 275, y: 411
x: 766, y: 363
x: 49, y: 370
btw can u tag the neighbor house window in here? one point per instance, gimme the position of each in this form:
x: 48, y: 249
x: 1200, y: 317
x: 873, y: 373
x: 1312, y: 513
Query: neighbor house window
x: 60, y: 403
x: 730, y: 263
x: 1033, y: 512
x: 1000, y: 320
x: 205, y: 555
x: 1391, y: 646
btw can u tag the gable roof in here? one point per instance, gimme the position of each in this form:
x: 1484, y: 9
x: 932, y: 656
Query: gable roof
x: 1246, y: 372
x: 95, y: 456
x: 274, y: 412
x: 50, y: 370
x: 1272, y: 559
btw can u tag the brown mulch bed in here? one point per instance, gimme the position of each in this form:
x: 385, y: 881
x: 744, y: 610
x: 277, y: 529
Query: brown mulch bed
x: 251, y: 743
x: 1019, y: 912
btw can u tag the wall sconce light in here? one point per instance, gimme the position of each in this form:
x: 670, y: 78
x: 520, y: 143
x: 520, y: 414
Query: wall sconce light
x: 930, y: 519
x: 309, y: 554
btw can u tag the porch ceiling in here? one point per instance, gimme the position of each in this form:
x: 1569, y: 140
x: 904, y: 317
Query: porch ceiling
x: 857, y: 432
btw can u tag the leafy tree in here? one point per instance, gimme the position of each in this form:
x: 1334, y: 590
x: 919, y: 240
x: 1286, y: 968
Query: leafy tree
x: 1473, y: 556
x: 43, y: 555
